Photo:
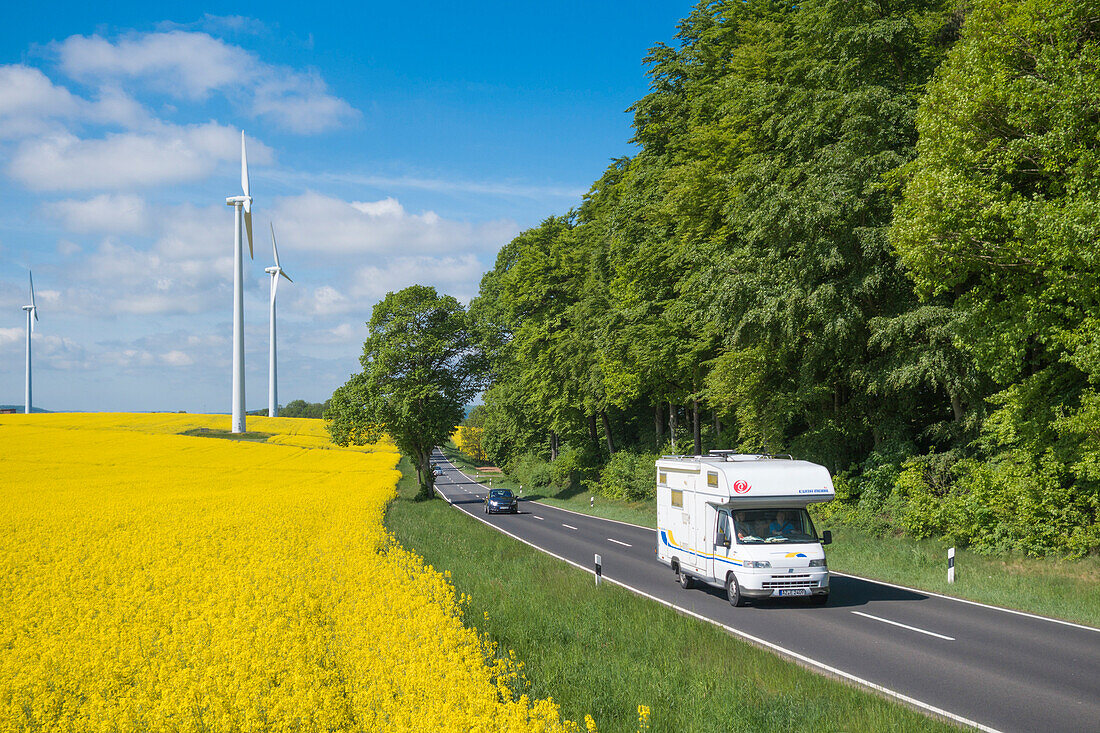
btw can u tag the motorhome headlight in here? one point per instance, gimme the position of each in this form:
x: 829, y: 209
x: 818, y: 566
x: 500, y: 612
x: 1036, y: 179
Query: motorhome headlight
x: 820, y: 563
x: 757, y: 564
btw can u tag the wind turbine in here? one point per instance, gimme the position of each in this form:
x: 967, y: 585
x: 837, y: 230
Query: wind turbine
x: 272, y: 383
x: 239, y: 203
x: 30, y: 309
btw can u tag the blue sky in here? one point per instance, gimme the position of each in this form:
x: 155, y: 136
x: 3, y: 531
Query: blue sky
x: 389, y: 144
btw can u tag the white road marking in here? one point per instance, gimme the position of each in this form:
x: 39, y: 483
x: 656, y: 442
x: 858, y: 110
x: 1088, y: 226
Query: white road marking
x: 968, y: 601
x: 904, y: 626
x: 568, y: 526
x: 809, y: 661
x: 619, y: 543
x: 538, y: 518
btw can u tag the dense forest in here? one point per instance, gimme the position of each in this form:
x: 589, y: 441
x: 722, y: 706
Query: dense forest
x: 863, y: 233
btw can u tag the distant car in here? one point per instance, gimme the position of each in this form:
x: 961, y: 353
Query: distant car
x: 437, y: 471
x: 501, y: 500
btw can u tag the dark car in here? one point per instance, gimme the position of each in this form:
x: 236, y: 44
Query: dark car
x: 500, y: 500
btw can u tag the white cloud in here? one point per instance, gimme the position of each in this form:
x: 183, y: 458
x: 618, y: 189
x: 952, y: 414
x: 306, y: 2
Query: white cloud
x: 325, y: 300
x: 176, y: 358
x: 378, y: 245
x: 458, y: 276
x: 177, y: 63
x: 9, y: 336
x: 170, y: 154
x: 27, y: 91
x: 31, y: 105
x: 29, y: 102
x: 192, y: 65
x: 116, y: 214
x: 324, y: 224
x: 510, y: 189
x: 49, y: 351
x: 47, y: 297
x: 300, y: 102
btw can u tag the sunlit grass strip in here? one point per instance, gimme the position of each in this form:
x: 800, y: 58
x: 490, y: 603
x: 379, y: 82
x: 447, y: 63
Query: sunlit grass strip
x: 152, y: 581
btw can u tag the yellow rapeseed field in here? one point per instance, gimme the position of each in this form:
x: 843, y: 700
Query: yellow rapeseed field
x: 156, y: 582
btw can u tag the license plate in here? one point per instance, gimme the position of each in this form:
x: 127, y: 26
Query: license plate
x: 793, y: 592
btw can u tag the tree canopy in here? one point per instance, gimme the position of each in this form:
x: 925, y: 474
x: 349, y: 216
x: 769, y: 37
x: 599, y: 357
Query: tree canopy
x: 863, y: 233
x: 420, y: 369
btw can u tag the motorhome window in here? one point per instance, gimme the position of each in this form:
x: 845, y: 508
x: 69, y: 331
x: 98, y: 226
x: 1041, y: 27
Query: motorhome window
x: 773, y: 526
x: 678, y: 499
x: 712, y: 480
x: 662, y: 478
x: 723, y: 524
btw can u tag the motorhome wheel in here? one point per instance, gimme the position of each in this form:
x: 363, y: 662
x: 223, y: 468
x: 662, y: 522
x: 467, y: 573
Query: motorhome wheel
x: 733, y: 591
x: 683, y: 578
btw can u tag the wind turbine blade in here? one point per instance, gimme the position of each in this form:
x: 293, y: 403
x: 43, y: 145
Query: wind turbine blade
x: 248, y: 230
x: 274, y: 287
x: 285, y: 275
x: 274, y: 248
x: 244, y: 168
x: 30, y: 275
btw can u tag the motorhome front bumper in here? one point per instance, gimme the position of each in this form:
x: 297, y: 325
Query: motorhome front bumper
x: 800, y: 582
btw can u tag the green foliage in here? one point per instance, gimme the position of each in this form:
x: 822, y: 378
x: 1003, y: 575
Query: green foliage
x: 1020, y: 502
x: 531, y: 471
x: 301, y: 408
x: 629, y: 476
x: 861, y: 233
x: 420, y: 368
x: 568, y: 469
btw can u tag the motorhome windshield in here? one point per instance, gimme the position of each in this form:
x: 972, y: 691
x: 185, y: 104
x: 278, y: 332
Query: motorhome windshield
x: 772, y: 526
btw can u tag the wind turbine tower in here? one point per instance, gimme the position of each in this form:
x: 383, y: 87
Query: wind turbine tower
x: 272, y: 372
x: 31, y: 309
x: 240, y: 204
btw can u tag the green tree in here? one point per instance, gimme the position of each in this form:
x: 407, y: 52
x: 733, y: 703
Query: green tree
x: 999, y: 221
x: 420, y: 369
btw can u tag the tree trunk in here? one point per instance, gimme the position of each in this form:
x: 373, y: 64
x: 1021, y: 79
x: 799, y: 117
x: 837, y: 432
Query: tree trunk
x: 592, y: 430
x: 956, y: 406
x: 697, y: 429
x: 658, y: 425
x: 672, y: 424
x: 553, y: 446
x: 717, y: 427
x: 424, y: 475
x: 607, y: 432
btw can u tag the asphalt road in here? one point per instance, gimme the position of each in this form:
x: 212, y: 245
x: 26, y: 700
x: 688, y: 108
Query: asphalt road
x: 989, y: 668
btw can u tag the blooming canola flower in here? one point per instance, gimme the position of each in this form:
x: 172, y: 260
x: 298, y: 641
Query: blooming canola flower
x: 155, y: 581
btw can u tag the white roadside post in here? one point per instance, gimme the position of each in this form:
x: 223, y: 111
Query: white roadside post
x: 599, y: 569
x: 951, y: 565
x: 591, y: 502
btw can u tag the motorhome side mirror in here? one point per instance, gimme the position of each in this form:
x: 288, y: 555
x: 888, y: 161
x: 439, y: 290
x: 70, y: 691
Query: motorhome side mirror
x: 826, y: 537
x: 723, y: 539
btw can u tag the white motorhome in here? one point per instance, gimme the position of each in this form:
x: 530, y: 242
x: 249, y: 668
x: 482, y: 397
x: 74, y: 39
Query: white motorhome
x: 739, y: 522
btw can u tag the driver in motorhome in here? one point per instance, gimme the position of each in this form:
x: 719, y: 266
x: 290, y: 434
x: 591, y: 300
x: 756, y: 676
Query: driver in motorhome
x: 782, y: 525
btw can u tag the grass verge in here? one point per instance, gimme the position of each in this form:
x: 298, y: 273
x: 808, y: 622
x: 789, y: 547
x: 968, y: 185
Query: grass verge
x: 251, y: 437
x: 1064, y: 589
x: 605, y: 651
